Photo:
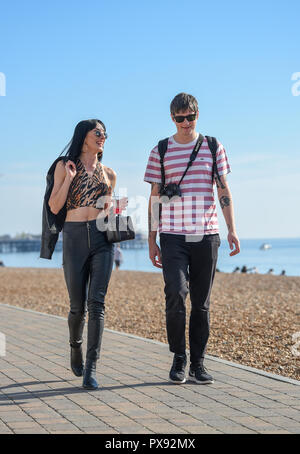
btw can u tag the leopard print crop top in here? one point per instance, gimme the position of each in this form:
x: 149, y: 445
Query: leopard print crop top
x: 85, y: 190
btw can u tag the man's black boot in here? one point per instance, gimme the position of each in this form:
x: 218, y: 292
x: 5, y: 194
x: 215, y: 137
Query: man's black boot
x: 77, y: 361
x: 89, y: 376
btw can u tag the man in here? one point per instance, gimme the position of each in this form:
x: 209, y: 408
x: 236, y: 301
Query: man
x: 189, y: 234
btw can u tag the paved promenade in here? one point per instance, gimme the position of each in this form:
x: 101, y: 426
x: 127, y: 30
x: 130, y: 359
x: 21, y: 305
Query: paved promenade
x: 39, y: 393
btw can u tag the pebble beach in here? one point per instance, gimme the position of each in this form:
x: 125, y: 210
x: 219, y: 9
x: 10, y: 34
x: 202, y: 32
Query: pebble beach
x: 253, y: 317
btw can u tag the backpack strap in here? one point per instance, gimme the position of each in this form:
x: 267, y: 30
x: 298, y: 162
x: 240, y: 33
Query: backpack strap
x: 162, y: 148
x: 213, y: 146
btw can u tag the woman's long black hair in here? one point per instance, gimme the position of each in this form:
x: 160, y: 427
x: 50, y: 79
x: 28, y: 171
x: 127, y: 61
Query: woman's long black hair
x: 74, y: 147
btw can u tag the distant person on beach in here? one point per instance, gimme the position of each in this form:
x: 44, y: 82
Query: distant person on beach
x: 186, y: 219
x: 118, y: 256
x: 83, y: 187
x: 236, y: 270
x: 282, y: 273
x: 253, y: 270
x: 271, y: 271
x: 1, y: 263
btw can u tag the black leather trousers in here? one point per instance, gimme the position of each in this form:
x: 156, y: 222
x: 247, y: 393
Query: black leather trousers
x: 87, y: 263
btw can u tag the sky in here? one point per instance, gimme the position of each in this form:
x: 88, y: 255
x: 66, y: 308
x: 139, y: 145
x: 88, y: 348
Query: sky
x: 123, y: 62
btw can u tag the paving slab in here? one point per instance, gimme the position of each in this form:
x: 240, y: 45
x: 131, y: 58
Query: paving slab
x: 39, y: 393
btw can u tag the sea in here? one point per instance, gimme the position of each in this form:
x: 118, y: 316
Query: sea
x: 284, y: 254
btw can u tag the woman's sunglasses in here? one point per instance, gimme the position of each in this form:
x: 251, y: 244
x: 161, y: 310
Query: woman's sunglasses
x: 101, y: 134
x: 181, y: 118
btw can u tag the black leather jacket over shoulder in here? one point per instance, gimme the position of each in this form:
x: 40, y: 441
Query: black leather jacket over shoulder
x: 52, y: 224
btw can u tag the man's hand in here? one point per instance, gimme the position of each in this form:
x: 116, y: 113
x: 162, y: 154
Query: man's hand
x: 225, y: 199
x: 233, y: 240
x: 155, y: 254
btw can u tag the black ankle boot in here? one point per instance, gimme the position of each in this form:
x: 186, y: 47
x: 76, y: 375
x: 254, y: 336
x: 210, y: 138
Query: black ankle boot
x: 77, y: 361
x: 89, y: 377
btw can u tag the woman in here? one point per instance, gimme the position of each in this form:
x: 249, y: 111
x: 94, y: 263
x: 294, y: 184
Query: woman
x: 85, y: 185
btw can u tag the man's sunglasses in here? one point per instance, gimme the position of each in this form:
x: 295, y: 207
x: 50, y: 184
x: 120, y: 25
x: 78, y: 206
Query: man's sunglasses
x: 101, y: 134
x: 181, y: 118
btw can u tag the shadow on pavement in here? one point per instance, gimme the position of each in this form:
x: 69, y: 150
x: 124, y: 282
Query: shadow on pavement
x: 40, y: 394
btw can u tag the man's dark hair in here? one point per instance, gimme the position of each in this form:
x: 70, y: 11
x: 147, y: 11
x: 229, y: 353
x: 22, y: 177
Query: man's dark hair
x: 183, y: 102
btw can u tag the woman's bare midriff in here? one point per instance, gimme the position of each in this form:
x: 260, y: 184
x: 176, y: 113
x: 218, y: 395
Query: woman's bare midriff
x: 83, y: 214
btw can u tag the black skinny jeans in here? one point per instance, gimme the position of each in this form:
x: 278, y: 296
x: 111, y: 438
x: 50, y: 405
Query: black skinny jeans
x: 87, y: 263
x: 188, y: 266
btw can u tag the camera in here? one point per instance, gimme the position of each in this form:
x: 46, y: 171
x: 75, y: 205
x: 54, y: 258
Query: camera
x: 169, y: 191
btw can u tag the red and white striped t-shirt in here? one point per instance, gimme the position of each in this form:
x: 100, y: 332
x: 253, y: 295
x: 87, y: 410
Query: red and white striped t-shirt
x: 195, y: 212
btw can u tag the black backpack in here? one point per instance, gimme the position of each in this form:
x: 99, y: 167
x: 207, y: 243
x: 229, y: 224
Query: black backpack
x: 213, y: 146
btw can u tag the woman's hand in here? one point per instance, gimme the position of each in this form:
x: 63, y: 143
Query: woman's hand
x: 123, y: 203
x: 70, y: 170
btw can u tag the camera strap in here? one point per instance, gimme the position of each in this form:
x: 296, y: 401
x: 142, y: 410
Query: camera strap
x: 162, y: 148
x: 193, y: 156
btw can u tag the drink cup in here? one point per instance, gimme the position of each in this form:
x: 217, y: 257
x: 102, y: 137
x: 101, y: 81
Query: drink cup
x: 117, y: 209
x: 120, y: 204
